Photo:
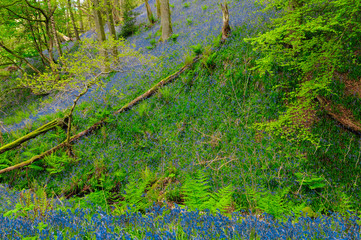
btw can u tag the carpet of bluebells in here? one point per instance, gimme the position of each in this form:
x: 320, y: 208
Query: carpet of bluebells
x: 164, y: 223
x: 212, y: 106
x: 205, y: 25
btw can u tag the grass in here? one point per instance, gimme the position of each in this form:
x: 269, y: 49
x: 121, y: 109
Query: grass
x: 201, y: 123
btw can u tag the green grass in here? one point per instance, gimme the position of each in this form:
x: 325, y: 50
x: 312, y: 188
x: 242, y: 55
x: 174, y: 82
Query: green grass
x: 201, y: 122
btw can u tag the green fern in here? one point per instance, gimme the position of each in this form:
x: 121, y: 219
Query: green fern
x: 274, y: 204
x: 196, y: 192
x: 197, y: 195
x: 221, y: 200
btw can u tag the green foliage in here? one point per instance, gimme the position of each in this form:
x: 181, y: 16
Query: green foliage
x: 189, y: 21
x: 274, y: 204
x: 33, y: 204
x: 197, y: 194
x: 174, y: 37
x: 165, y: 94
x: 138, y: 195
x: 311, y: 182
x: 129, y: 20
x: 198, y: 48
x: 204, y: 7
x: 186, y: 5
x: 310, y: 39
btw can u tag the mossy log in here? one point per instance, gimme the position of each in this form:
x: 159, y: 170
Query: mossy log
x: 43, y: 129
x: 340, y: 115
x: 102, y: 122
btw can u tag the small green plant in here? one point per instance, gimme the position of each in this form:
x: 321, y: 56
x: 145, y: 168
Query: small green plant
x: 149, y: 35
x: 143, y: 109
x: 171, y: 5
x: 174, y: 37
x: 198, y: 196
x: 197, y: 49
x: 189, y: 21
x: 312, y: 182
x: 276, y: 205
x: 33, y: 204
x: 204, y: 7
x: 186, y: 5
x: 188, y: 58
x: 165, y: 94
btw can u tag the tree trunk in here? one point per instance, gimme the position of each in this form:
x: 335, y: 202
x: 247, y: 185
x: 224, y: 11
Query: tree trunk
x: 99, y: 25
x: 158, y: 9
x: 226, y: 29
x: 113, y: 33
x: 81, y: 23
x: 73, y: 20
x: 100, y: 123
x: 166, y: 22
x: 43, y: 129
x: 149, y: 12
x: 53, y: 29
x: 19, y: 57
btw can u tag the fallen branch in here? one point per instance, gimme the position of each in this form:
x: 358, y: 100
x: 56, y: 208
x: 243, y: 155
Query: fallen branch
x: 102, y: 122
x: 43, y: 129
x: 345, y: 119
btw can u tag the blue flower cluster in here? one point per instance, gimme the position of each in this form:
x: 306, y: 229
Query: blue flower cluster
x: 206, y: 25
x: 163, y: 223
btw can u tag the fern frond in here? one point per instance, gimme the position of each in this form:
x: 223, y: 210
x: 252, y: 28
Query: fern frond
x: 222, y: 200
x: 196, y: 191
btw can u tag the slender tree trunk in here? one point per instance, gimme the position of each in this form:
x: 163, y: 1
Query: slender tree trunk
x: 116, y: 11
x: 165, y: 20
x: 111, y: 25
x: 37, y: 45
x: 81, y: 23
x: 73, y: 20
x: 99, y: 25
x: 50, y: 42
x: 19, y: 57
x: 90, y: 17
x: 149, y: 12
x: 158, y: 9
x: 53, y: 29
x: 226, y: 29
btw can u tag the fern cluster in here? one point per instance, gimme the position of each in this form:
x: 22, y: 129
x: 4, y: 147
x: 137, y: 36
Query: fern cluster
x: 274, y: 204
x: 33, y: 204
x: 197, y: 195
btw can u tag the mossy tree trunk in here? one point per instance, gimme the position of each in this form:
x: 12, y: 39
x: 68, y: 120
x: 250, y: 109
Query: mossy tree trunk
x: 73, y: 20
x: 99, y: 26
x: 149, y: 12
x: 226, y: 29
x: 166, y: 22
x: 110, y: 19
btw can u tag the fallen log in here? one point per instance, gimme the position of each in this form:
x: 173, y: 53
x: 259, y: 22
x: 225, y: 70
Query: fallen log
x: 102, y: 122
x: 346, y: 120
x: 43, y: 129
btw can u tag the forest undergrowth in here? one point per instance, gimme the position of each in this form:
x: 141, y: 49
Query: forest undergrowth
x: 190, y: 163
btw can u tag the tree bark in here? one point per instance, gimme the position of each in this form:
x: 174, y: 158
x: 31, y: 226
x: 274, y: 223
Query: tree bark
x: 158, y: 9
x: 53, y: 28
x: 166, y: 23
x: 43, y: 129
x: 99, y: 25
x: 111, y: 25
x: 19, y: 57
x: 81, y: 23
x: 149, y: 12
x: 73, y: 20
x: 99, y: 124
x: 226, y: 29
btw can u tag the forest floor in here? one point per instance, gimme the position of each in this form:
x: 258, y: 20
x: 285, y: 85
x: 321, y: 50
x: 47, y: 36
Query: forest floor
x: 187, y: 163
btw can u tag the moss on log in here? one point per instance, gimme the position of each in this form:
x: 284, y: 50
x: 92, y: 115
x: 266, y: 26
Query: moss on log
x: 102, y: 122
x: 43, y: 129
